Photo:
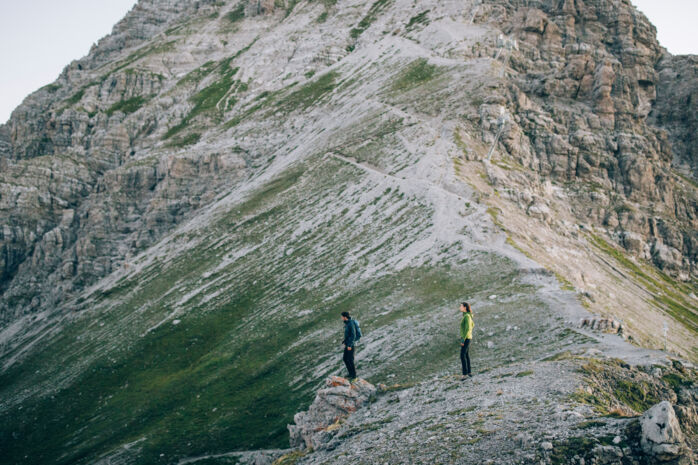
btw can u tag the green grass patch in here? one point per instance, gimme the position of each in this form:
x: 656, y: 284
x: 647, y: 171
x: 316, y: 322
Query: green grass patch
x: 564, y: 450
x: 668, y: 294
x: 690, y: 181
x: 308, y: 94
x: 51, y: 88
x: 635, y: 394
x: 413, y: 75
x: 195, y: 76
x: 565, y: 285
x: 589, y: 424
x: 236, y: 14
x: 214, y: 99
x: 378, y: 7
x: 189, y: 139
x: 421, y: 18
x: 127, y: 106
x: 524, y: 373
x: 462, y: 411
x: 76, y: 97
x: 209, y: 97
x: 152, y: 49
x: 460, y: 143
x: 257, y: 292
x: 676, y: 381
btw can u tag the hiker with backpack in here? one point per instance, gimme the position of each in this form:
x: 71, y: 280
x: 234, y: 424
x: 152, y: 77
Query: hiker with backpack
x: 352, y: 333
x: 466, y: 335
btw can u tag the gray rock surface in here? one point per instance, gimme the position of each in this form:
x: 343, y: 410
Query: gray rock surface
x: 662, y: 437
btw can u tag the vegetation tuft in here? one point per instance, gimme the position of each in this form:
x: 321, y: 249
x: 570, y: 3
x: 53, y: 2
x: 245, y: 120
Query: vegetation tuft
x: 309, y: 94
x: 236, y: 14
x: 189, y: 139
x: 370, y: 17
x: 214, y: 99
x: 127, y: 106
x: 415, y: 74
x: 76, y: 97
x: 422, y: 18
x: 668, y: 294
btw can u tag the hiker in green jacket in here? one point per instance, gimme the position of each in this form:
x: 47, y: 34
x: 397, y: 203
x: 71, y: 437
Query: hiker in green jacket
x: 466, y: 335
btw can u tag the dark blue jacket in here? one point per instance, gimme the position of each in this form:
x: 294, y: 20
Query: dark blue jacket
x: 349, y: 333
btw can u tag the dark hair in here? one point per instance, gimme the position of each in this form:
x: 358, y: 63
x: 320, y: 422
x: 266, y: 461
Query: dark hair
x: 346, y: 314
x: 467, y: 306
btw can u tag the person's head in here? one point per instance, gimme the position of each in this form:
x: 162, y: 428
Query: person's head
x: 465, y: 307
x: 345, y: 316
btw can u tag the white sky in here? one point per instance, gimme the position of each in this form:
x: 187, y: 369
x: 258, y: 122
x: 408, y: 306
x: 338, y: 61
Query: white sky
x: 38, y: 38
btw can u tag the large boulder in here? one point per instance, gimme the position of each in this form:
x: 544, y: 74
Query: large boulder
x: 313, y: 428
x: 661, y: 436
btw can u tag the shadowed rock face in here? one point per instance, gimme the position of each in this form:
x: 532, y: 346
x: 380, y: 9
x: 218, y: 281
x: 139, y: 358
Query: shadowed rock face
x: 676, y: 109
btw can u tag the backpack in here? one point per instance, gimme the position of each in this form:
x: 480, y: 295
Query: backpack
x: 358, y: 330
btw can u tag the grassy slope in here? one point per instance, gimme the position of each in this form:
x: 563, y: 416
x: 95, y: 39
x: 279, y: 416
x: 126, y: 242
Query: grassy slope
x: 237, y: 367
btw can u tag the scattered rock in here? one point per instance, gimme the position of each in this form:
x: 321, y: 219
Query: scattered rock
x: 661, y: 435
x: 606, y: 325
x: 607, y: 454
x: 523, y: 439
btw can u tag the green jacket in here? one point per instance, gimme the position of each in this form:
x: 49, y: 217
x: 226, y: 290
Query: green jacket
x: 466, y: 327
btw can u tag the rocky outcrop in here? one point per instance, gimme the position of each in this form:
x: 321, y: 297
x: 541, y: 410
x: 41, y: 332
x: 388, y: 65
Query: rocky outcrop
x: 443, y: 421
x: 661, y: 436
x: 339, y: 399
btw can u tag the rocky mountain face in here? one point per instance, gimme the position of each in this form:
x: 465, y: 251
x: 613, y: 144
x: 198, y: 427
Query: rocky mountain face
x: 584, y: 80
x: 187, y: 208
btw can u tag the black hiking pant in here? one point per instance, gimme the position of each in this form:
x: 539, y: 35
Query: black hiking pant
x: 465, y: 357
x: 349, y: 361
